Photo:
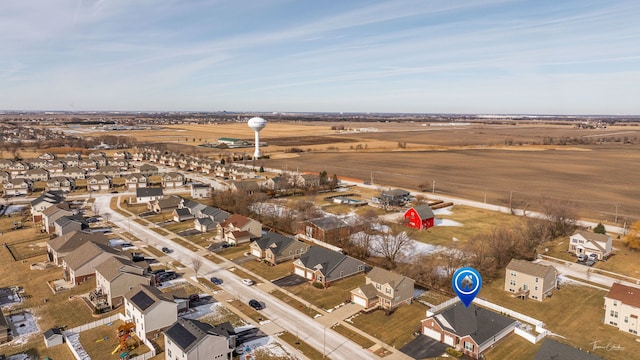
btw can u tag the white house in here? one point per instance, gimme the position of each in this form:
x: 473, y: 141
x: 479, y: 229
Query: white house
x: 622, y: 308
x: 150, y: 309
x: 586, y: 242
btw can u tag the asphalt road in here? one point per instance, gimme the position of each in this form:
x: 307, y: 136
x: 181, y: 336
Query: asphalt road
x: 311, y: 332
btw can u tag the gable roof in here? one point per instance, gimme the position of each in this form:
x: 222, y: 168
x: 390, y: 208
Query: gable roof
x: 206, y: 222
x: 323, y: 259
x: 116, y: 266
x: 329, y: 223
x: 169, y: 202
x: 51, y: 197
x: 236, y: 220
x: 424, y: 211
x: 591, y: 236
x: 187, y: 333
x: 555, y: 350
x: 77, y: 218
x: 628, y: 295
x: 72, y: 240
x: 273, y: 241
x: 215, y: 213
x: 395, y: 192
x: 479, y: 323
x: 87, y: 252
x: 52, y: 332
x: 382, y: 276
x: 144, y: 296
x: 148, y: 192
x: 530, y: 268
x: 194, y: 206
x: 54, y: 209
x: 368, y: 290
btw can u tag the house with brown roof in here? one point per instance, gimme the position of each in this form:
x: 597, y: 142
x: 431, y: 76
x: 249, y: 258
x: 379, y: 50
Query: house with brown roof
x: 165, y: 204
x: 37, y: 174
x: 55, y: 167
x: 530, y: 280
x: 247, y: 187
x: 80, y: 264
x: 61, y: 246
x: 622, y: 308
x: 172, y: 180
x: 237, y: 237
x: 148, y: 170
x: 238, y: 222
x: 384, y: 288
x: 98, y: 183
x: 53, y: 213
x: 587, y: 243
x: 275, y: 248
x: 135, y: 181
x: 110, y: 171
x: 61, y: 183
x: 4, y: 177
x: 150, y: 309
x: 36, y: 163
x: 328, y: 228
x: 121, y: 154
x: 18, y: 186
x: 74, y: 172
x: 117, y: 276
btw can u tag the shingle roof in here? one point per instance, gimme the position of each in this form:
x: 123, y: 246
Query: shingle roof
x: 395, y: 192
x: 554, y: 350
x: 115, y: 266
x: 148, y: 192
x: 236, y: 220
x: 329, y: 223
x: 319, y: 258
x: 628, y: 295
x: 274, y: 241
x: 382, y: 276
x: 187, y: 333
x: 593, y: 236
x: 424, y: 211
x: 479, y: 323
x: 49, y: 197
x: 144, y: 296
x: 87, y: 252
x: 368, y: 290
x: 169, y: 202
x: 72, y: 240
x: 530, y: 268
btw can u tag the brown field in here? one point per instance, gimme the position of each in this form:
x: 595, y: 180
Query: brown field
x: 501, y: 162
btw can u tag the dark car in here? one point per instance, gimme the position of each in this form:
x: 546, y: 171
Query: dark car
x: 194, y: 298
x: 256, y: 304
x: 216, y: 281
x: 167, y: 275
x: 166, y: 250
x: 158, y: 271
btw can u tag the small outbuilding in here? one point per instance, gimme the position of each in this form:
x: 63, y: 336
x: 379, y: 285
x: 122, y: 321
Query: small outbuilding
x: 420, y: 217
x: 53, y: 337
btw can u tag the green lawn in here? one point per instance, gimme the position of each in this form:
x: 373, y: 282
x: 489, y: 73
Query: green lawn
x: 575, y: 312
x: 269, y: 272
x: 337, y: 293
x: 395, y: 329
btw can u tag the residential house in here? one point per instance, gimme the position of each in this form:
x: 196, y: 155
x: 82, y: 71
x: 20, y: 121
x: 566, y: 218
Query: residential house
x: 5, y: 164
x: 61, y: 246
x: 275, y: 184
x: 122, y: 155
x: 135, y: 181
x: 121, y: 164
x: 324, y: 266
x: 204, y: 224
x: 147, y: 194
x: 80, y: 264
x: 140, y: 155
x: 151, y: 310
x: 622, y: 308
x: 328, y: 228
x: 44, y: 201
x: 304, y: 181
x: 237, y: 237
x: 47, y: 156
x: 16, y: 187
x: 182, y: 214
x: 72, y: 159
x: 555, y: 350
x: 18, y: 168
x: 384, y: 288
x: 530, y: 280
x: 110, y: 171
x: 100, y: 158
x: 275, y: 248
x: 69, y: 223
x: 394, y: 197
x: 246, y: 187
x: 194, y: 207
x: 237, y: 222
x: 223, y: 171
x: 88, y: 165
x: 586, y: 242
x: 98, y: 183
x: 200, y: 191
x: 55, y: 167
x: 36, y: 163
x: 4, y: 177
x: 61, y: 183
x: 37, y: 174
x: 172, y: 180
x: 419, y: 217
x: 165, y: 204
x: 53, y: 213
x: 212, y: 213
x: 116, y: 276
x: 148, y: 170
x: 74, y: 172
x: 193, y: 340
x: 471, y: 330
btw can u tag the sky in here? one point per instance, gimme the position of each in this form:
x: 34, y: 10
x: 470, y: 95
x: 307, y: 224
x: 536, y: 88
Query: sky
x: 397, y: 56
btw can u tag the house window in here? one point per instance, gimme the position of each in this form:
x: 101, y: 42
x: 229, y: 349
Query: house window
x: 360, y: 267
x: 613, y: 323
x: 388, y: 290
x: 468, y: 346
x: 169, y: 350
x: 513, y: 273
x: 537, y: 279
x: 378, y: 287
x: 613, y: 314
x: 512, y: 283
x: 535, y: 288
x: 626, y: 319
x: 615, y: 303
x: 633, y: 331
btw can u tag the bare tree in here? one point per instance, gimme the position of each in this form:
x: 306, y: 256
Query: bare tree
x: 561, y: 216
x: 196, y: 262
x: 392, y: 244
x: 361, y: 244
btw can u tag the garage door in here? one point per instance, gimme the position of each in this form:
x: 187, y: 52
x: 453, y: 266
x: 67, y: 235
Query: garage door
x: 448, y: 339
x: 359, y: 300
x: 432, y: 333
x: 257, y: 253
x: 299, y: 271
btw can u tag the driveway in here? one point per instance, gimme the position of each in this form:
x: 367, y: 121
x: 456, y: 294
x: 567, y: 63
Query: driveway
x: 290, y: 280
x: 424, y: 347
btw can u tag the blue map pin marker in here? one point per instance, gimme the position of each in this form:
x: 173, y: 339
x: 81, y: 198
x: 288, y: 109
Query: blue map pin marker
x: 466, y: 283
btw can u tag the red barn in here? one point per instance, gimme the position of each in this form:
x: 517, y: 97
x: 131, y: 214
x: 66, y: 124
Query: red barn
x: 419, y: 217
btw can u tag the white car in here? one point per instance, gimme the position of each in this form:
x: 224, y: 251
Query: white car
x: 247, y: 282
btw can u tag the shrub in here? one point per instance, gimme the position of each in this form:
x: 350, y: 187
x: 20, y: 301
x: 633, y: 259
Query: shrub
x: 318, y: 285
x: 453, y: 352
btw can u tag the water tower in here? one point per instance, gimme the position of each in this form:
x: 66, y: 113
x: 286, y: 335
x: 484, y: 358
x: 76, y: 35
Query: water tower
x: 257, y: 124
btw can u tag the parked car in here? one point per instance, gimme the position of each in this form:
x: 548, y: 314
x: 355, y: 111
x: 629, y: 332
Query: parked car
x: 247, y: 282
x: 166, y: 250
x: 167, y: 275
x: 593, y: 257
x: 256, y: 304
x: 582, y: 257
x: 216, y: 281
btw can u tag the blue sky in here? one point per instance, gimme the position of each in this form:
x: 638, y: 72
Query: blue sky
x: 476, y: 56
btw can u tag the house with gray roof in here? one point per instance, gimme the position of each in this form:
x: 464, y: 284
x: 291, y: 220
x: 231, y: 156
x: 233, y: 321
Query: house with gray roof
x: 148, y: 194
x: 135, y: 181
x: 46, y: 200
x: 555, y: 350
x: 587, y: 243
x: 70, y: 223
x: 324, y: 266
x: 204, y: 224
x: 81, y: 263
x: 116, y: 276
x: 180, y: 215
x: 394, y: 197
x: 385, y: 289
x: 165, y: 204
x: 530, y: 280
x: 150, y: 309
x: 275, y: 248
x: 53, y: 213
x: 328, y: 228
x: 192, y: 340
x: 471, y: 330
x: 62, y: 246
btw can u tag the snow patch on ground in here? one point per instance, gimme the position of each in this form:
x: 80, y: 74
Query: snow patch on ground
x: 263, y: 345
x: 446, y: 222
x: 14, y: 209
x: 20, y: 357
x: 443, y: 211
x: 201, y: 311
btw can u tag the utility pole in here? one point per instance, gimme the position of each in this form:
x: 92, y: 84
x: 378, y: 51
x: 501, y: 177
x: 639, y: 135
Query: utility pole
x: 510, y: 199
x: 617, y: 206
x: 433, y: 187
x: 485, y: 197
x: 324, y: 343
